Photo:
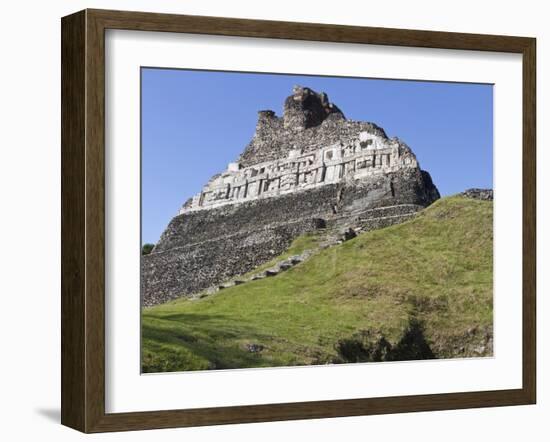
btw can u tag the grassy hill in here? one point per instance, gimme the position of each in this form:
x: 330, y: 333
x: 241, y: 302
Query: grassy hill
x: 421, y: 289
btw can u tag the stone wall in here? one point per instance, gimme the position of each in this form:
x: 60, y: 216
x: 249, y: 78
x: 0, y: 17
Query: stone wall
x: 188, y: 269
x: 408, y: 186
x: 199, y: 226
x: 479, y: 194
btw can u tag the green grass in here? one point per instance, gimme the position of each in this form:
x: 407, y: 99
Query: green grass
x: 435, y: 269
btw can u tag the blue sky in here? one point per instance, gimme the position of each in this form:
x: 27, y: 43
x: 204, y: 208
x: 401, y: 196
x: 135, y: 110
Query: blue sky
x: 195, y: 122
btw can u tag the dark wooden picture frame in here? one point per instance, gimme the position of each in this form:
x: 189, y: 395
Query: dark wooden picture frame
x: 83, y: 220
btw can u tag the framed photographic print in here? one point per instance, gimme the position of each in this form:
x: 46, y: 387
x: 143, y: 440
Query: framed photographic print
x: 269, y: 220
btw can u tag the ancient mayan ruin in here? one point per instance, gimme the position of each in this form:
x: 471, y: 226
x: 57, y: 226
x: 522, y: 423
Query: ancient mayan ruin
x: 307, y: 170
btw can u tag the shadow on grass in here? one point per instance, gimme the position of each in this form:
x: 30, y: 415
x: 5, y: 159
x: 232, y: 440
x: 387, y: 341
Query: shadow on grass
x: 369, y: 346
x: 182, y: 342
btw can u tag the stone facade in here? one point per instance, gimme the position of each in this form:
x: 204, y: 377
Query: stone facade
x: 364, y: 157
x: 359, y: 152
x: 309, y: 169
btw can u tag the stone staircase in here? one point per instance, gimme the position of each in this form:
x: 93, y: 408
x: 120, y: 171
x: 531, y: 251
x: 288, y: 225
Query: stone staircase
x: 274, y: 270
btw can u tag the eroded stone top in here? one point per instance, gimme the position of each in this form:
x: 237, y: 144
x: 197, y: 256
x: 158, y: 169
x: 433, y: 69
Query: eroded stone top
x: 306, y: 108
x: 309, y: 122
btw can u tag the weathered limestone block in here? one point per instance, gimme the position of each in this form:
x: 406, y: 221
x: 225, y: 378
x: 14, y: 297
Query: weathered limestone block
x: 479, y: 194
